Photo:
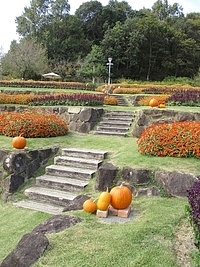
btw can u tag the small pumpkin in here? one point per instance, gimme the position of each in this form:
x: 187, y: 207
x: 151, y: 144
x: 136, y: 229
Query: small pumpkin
x: 153, y: 102
x: 19, y: 142
x: 162, y: 105
x: 90, y: 205
x: 121, y: 196
x: 104, y: 200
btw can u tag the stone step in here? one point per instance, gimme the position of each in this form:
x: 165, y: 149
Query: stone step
x: 48, y: 195
x: 115, y: 123
x: 92, y: 164
x: 121, y: 100
x: 118, y: 118
x: 39, y: 206
x: 119, y: 113
x: 70, y: 172
x: 112, y: 128
x: 84, y: 153
x: 110, y: 133
x: 60, y: 183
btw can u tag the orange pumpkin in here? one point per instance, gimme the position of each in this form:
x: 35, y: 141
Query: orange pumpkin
x: 162, y: 106
x: 90, y: 206
x: 153, y: 102
x: 19, y: 142
x: 121, y: 196
x: 104, y: 200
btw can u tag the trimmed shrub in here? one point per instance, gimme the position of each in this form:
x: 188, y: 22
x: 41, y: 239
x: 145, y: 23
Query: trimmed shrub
x: 177, y: 139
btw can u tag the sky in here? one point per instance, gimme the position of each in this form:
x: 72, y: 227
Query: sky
x: 10, y: 9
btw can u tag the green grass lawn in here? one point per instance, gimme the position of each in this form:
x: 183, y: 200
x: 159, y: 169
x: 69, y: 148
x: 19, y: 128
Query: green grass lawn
x: 121, y: 151
x: 147, y: 240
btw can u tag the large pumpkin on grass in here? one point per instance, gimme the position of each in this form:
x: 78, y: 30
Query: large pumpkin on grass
x: 121, y: 197
x: 153, y: 102
x: 19, y: 142
x: 90, y: 206
x: 104, y: 200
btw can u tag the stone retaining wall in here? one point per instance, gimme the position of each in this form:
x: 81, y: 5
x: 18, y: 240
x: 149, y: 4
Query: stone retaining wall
x: 19, y: 166
x: 145, y: 181
x: 80, y: 119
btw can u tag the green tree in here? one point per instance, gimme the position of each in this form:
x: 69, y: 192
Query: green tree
x: 26, y: 60
x: 114, y: 44
x: 115, y: 12
x: 35, y: 19
x: 164, y: 10
x: 94, y: 65
x: 50, y: 23
x: 90, y: 14
x: 66, y: 40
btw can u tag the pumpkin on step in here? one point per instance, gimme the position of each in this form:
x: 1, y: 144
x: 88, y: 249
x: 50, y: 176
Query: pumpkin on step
x: 153, y: 102
x: 90, y: 206
x: 19, y: 142
x: 121, y: 197
x: 162, y: 105
x: 104, y: 200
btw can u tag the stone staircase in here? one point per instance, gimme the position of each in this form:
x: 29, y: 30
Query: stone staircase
x: 121, y: 100
x: 63, y: 181
x: 115, y: 123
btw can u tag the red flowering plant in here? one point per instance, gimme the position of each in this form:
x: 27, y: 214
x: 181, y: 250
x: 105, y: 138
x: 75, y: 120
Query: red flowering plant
x: 177, y: 139
x: 32, y: 124
x: 167, y: 89
x: 188, y: 98
x: 48, y: 84
x: 193, y: 210
x: 73, y: 99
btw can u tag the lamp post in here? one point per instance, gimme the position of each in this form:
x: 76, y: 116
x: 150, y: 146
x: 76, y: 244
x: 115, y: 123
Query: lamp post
x: 109, y: 64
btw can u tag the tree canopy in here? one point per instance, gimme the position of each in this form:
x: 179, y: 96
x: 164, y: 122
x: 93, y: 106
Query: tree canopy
x: 145, y: 44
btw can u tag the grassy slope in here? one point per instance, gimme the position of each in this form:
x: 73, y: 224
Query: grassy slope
x: 121, y: 151
x: 146, y: 241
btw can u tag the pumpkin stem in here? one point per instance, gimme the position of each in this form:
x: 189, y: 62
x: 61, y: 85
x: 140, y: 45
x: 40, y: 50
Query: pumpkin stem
x: 122, y: 184
x: 94, y: 200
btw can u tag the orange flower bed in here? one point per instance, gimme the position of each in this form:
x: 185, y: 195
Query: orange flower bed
x: 21, y: 99
x: 125, y: 90
x: 162, y: 99
x: 178, y: 139
x: 32, y: 124
x: 110, y: 100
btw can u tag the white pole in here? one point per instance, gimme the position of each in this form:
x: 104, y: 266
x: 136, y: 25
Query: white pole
x: 109, y: 69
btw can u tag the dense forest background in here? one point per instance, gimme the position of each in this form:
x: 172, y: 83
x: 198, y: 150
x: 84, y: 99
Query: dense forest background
x: 146, y: 44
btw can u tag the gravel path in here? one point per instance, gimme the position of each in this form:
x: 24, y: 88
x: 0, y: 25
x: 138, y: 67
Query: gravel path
x: 184, y: 244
